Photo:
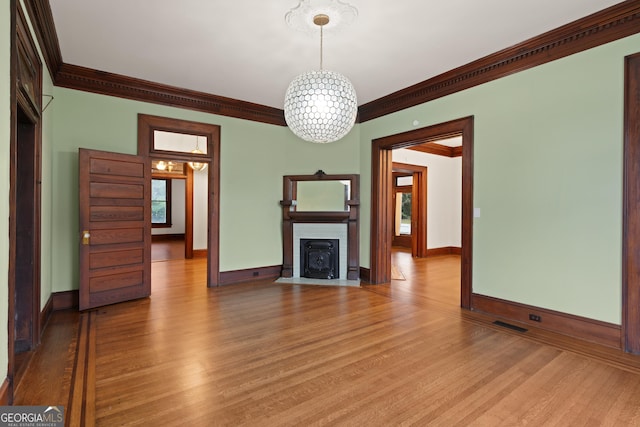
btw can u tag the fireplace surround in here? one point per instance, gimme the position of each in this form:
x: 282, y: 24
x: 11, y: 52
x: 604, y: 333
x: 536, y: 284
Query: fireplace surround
x: 339, y: 220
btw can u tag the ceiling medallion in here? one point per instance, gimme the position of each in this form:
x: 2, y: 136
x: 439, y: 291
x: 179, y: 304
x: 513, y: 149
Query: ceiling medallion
x: 320, y: 106
x: 301, y: 17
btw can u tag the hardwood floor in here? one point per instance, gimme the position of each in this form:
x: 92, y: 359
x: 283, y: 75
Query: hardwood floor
x: 434, y: 279
x: 263, y: 354
x: 164, y: 250
x: 48, y: 377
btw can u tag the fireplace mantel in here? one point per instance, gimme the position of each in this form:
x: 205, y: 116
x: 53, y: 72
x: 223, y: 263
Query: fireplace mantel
x: 320, y: 217
x: 350, y: 216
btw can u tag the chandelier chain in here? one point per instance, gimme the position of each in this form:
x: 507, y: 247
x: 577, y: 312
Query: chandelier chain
x: 321, y: 44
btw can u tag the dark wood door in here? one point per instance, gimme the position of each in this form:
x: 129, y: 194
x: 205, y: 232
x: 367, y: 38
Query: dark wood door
x: 115, y: 228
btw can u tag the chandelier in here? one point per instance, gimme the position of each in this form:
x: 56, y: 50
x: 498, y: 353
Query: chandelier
x: 197, y: 166
x: 320, y: 106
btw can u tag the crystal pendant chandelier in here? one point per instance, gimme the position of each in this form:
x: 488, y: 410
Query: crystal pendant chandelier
x: 320, y: 106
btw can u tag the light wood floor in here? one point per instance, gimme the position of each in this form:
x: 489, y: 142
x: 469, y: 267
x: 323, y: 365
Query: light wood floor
x: 263, y: 354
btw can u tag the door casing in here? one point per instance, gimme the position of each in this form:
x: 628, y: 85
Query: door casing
x: 630, y: 331
x: 25, y: 179
x: 418, y: 207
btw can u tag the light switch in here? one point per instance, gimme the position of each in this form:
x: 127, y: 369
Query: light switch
x: 476, y: 212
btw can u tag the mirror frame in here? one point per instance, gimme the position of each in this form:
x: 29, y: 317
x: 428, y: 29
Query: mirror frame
x: 350, y: 217
x: 290, y: 187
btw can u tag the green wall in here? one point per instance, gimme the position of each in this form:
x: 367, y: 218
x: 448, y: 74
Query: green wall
x: 547, y: 178
x: 5, y: 125
x: 254, y: 157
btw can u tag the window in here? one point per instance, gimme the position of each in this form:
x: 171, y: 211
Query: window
x: 403, y: 213
x: 403, y: 186
x: 404, y: 181
x: 405, y: 221
x: 161, y: 202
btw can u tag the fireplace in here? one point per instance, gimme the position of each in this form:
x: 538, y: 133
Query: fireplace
x: 336, y: 233
x: 319, y: 258
x: 304, y: 218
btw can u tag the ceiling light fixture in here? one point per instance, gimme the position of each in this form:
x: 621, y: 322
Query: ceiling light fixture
x: 197, y: 166
x: 320, y: 106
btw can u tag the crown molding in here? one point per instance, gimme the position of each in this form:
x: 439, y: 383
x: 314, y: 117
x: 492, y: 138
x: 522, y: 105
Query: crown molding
x: 90, y: 80
x: 602, y: 27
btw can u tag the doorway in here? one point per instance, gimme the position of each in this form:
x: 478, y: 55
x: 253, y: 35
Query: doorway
x: 409, y: 206
x: 204, y: 160
x: 171, y: 193
x: 26, y: 264
x: 382, y: 188
x: 403, y: 231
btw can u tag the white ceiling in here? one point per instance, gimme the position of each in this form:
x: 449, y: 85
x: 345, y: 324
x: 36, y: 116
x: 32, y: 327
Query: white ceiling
x: 243, y: 49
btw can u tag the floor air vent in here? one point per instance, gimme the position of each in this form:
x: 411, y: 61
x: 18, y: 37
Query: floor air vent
x: 509, y: 326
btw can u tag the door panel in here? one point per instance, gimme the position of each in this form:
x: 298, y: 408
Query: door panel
x: 116, y: 258
x: 120, y: 191
x: 121, y: 213
x: 125, y: 235
x: 115, y: 212
x: 116, y: 281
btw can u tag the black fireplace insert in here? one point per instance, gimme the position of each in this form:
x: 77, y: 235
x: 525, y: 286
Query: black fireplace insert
x: 319, y: 258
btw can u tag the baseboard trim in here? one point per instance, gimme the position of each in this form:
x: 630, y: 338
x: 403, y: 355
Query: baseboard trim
x: 45, y: 314
x: 200, y: 253
x: 58, y: 301
x: 4, y: 393
x: 166, y: 237
x: 239, y: 276
x: 607, y: 334
x: 365, y: 274
x: 447, y: 250
x: 65, y: 300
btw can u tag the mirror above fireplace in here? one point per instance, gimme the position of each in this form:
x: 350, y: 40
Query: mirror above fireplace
x: 323, y: 196
x: 320, y: 192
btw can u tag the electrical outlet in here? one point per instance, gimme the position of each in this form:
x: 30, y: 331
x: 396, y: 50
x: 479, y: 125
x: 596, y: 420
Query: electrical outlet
x: 535, y: 318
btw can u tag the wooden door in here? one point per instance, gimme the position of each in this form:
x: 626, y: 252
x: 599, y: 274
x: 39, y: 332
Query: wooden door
x: 115, y: 228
